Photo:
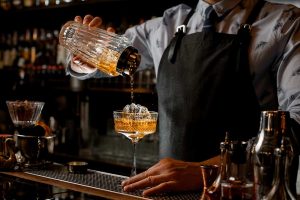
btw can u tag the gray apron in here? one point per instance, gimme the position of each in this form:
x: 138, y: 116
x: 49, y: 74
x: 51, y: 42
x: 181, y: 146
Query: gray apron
x: 204, y: 90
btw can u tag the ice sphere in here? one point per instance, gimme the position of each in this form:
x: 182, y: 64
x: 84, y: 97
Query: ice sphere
x: 136, y: 112
x: 135, y: 108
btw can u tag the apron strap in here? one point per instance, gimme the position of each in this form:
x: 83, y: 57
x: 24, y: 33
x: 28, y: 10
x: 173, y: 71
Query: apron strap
x: 244, y: 30
x: 255, y: 11
x: 244, y: 35
x: 175, y: 42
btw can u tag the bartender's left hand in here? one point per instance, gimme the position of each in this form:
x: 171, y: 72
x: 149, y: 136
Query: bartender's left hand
x: 168, y: 175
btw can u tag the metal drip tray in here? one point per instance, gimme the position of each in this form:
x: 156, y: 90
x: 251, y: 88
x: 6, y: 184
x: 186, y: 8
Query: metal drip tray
x: 103, y: 181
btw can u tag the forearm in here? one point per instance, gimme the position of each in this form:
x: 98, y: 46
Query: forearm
x: 212, y: 161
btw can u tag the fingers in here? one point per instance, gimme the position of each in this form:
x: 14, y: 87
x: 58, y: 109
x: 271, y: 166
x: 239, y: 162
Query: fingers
x: 136, y: 178
x: 78, y: 19
x: 152, y: 171
x: 167, y: 175
x: 153, y: 184
x: 96, y: 22
x: 163, y: 187
x: 146, y: 182
x: 111, y: 29
x: 89, y: 20
x: 79, y: 66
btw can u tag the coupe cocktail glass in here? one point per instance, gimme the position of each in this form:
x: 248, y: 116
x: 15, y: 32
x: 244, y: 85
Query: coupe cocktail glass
x: 24, y: 114
x: 135, y: 126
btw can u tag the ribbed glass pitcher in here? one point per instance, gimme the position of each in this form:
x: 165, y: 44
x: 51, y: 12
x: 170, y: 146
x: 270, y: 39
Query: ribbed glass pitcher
x: 111, y: 53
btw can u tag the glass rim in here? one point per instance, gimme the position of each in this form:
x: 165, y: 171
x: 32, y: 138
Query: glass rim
x: 133, y: 113
x: 36, y: 136
x: 25, y: 102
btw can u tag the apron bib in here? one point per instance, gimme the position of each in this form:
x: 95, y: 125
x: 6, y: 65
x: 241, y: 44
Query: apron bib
x: 203, y: 93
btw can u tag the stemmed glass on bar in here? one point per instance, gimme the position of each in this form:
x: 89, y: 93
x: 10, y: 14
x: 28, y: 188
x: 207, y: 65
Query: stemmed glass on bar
x: 135, y: 125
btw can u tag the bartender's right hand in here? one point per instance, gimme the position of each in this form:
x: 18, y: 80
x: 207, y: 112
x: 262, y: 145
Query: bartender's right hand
x: 77, y: 64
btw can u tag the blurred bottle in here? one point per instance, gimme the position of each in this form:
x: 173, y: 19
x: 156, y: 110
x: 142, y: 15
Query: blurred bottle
x: 111, y: 53
x: 6, y: 41
x: 237, y: 185
x: 215, y: 189
x: 14, y: 48
x: 28, y: 3
x: 273, y: 126
x: 5, y: 5
x: 27, y: 47
x: 42, y: 3
x: 2, y: 47
x: 281, y: 185
x: 68, y: 1
x: 17, y: 4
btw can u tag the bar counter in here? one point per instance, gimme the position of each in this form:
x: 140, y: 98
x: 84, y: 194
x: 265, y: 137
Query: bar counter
x: 56, y: 182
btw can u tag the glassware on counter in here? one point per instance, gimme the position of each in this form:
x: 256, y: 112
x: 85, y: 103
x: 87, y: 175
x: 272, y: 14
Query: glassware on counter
x: 273, y: 126
x: 209, y: 174
x: 34, y: 139
x: 111, y: 53
x: 135, y: 125
x: 281, y: 185
x: 237, y: 184
x: 214, y: 190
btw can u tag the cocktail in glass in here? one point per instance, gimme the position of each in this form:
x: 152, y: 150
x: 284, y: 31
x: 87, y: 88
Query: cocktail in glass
x: 135, y: 126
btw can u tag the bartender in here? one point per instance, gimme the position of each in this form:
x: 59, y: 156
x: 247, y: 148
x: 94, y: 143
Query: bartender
x: 218, y: 65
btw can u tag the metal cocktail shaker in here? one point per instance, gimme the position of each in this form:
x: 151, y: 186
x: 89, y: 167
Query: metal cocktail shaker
x: 111, y: 53
x: 273, y: 126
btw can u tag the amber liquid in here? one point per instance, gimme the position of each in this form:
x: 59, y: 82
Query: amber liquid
x: 107, y: 62
x: 135, y: 129
x: 131, y: 88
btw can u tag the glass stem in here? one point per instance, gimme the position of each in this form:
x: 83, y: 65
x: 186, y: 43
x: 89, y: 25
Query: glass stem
x: 133, y: 170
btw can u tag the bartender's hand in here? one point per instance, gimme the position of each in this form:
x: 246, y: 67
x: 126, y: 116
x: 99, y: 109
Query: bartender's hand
x: 168, y: 175
x: 77, y: 64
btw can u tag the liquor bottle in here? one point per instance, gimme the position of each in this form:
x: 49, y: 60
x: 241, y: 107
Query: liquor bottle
x: 272, y: 126
x: 28, y: 3
x: 281, y: 185
x: 237, y: 185
x: 110, y: 53
x: 5, y: 5
x: 7, y: 50
x: 27, y: 47
x: 17, y: 4
x: 2, y: 47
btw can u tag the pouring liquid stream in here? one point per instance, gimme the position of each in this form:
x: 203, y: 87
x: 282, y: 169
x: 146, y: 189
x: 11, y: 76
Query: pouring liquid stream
x: 132, y: 88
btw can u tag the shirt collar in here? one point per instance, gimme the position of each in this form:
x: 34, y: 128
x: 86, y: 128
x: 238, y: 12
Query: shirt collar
x: 224, y: 6
x: 221, y: 8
